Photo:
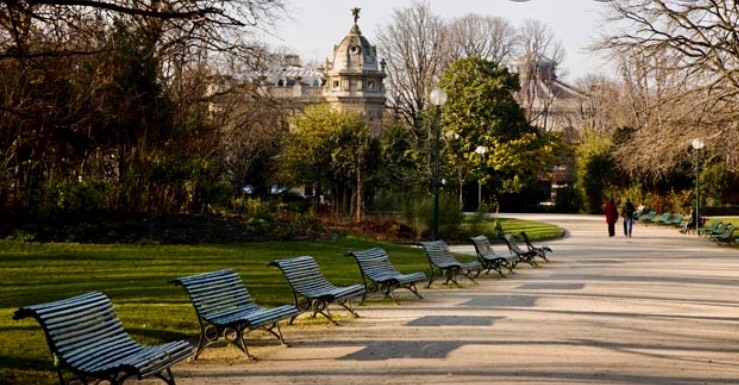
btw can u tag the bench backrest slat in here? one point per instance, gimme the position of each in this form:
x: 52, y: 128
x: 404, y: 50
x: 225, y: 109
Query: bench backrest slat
x: 215, y: 292
x: 512, y: 244
x: 303, y: 274
x: 76, y: 328
x: 375, y: 263
x: 482, y: 245
x: 438, y: 253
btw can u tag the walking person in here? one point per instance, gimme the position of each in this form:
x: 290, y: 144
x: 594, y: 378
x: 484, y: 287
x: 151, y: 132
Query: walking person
x: 627, y: 212
x: 611, y: 216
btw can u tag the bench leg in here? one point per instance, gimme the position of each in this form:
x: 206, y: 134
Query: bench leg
x: 236, y: 338
x: 431, y: 279
x: 499, y: 269
x: 278, y: 333
x: 388, y: 290
x: 414, y: 290
x: 346, y: 304
x: 168, y: 379
x: 205, y: 339
x: 468, y: 274
x: 321, y: 307
x: 451, y: 277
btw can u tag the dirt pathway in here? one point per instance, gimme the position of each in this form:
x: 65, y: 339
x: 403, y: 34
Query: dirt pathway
x: 659, y: 308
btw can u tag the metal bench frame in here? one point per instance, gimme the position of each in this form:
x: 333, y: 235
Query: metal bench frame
x: 526, y: 256
x: 442, y: 263
x: 311, y: 291
x: 226, y: 310
x: 490, y: 260
x: 379, y: 275
x: 84, y: 332
x: 541, y: 251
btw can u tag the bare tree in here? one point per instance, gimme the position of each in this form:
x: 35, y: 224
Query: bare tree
x: 488, y: 37
x: 542, y: 53
x: 218, y: 25
x: 413, y: 47
x: 682, y: 57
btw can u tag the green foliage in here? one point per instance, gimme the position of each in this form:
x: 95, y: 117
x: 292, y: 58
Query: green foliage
x: 481, y: 111
x: 418, y: 214
x: 715, y: 184
x: 79, y: 198
x: 403, y: 165
x: 328, y: 149
x: 568, y: 200
x: 595, y: 171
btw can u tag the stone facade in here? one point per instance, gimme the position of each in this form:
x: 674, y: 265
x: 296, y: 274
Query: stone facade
x: 351, y: 81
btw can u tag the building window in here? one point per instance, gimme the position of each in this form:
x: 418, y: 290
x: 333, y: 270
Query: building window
x: 371, y: 85
x: 280, y: 83
x: 336, y: 84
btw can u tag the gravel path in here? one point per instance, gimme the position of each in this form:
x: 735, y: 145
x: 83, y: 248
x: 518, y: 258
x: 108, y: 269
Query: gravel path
x: 659, y: 308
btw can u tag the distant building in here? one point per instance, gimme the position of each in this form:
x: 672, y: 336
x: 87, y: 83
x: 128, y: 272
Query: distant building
x: 351, y: 81
x: 552, y: 105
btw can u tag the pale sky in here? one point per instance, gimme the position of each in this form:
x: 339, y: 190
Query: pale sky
x: 313, y: 27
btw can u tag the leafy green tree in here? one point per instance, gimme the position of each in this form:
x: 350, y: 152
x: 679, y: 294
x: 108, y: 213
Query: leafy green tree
x: 481, y: 111
x: 331, y: 150
x: 595, y: 171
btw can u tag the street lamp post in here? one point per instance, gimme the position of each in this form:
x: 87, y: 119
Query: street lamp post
x: 438, y: 98
x: 698, y: 145
x: 480, y: 150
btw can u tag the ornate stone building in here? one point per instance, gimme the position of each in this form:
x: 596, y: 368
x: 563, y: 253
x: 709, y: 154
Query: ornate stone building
x: 352, y: 80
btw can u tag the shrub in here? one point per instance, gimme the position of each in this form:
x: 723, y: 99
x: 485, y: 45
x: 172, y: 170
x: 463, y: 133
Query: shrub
x: 77, y: 198
x: 568, y: 200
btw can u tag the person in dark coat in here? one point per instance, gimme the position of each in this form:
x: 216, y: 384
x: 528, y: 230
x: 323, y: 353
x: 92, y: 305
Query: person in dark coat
x: 611, y: 216
x: 627, y: 212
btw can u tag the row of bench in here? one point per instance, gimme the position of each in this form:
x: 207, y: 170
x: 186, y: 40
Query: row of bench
x: 87, y: 338
x: 718, y: 232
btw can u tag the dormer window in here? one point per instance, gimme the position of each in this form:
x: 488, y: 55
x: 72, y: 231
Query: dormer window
x: 354, y: 50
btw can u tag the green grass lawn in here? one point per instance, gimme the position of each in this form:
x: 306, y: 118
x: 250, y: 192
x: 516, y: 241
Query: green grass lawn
x: 136, y: 279
x: 732, y: 220
x: 535, y: 230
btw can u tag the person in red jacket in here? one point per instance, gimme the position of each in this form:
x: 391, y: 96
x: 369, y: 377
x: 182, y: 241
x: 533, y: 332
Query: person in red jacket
x: 611, y: 216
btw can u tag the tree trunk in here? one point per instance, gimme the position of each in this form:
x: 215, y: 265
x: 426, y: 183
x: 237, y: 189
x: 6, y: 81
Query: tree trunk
x: 360, y: 197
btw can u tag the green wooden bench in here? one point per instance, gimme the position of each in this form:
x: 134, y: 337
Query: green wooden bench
x: 664, y: 219
x: 541, y: 251
x: 379, y: 275
x: 489, y: 259
x: 727, y: 236
x: 648, y: 217
x: 527, y: 256
x: 311, y: 291
x: 226, y: 310
x: 86, y: 338
x: 443, y: 263
x: 710, y: 229
x: 676, y: 221
x: 718, y: 230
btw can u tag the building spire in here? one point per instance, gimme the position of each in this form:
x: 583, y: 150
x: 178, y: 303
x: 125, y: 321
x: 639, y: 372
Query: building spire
x: 355, y: 13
